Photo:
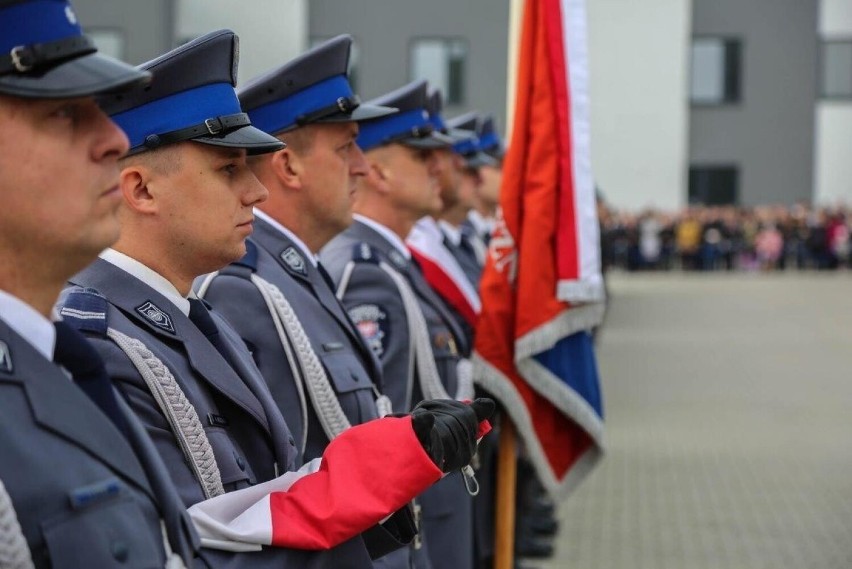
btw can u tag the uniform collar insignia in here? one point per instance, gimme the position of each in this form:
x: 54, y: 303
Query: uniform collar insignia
x: 397, y: 259
x: 294, y: 260
x: 153, y: 314
x: 5, y: 358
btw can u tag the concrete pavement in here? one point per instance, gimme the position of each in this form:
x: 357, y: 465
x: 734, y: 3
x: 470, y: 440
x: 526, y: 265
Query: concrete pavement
x: 729, y: 427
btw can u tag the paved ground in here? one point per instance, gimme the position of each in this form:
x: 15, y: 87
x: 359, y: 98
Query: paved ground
x: 729, y: 427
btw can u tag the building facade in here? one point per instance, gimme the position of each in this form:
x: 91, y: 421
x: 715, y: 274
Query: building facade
x: 704, y: 101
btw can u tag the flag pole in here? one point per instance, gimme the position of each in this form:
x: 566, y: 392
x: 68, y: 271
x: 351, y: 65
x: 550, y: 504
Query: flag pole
x: 507, y: 475
x: 507, y: 455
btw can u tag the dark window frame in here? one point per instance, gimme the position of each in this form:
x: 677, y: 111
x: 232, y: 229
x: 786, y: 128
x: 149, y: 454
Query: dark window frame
x: 460, y: 96
x: 732, y: 76
x: 719, y: 167
x: 823, y: 96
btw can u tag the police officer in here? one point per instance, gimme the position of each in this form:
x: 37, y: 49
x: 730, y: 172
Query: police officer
x: 309, y: 105
x: 459, y: 237
x: 187, y: 205
x: 487, y: 196
x: 278, y: 296
x: 80, y: 483
x: 417, y: 339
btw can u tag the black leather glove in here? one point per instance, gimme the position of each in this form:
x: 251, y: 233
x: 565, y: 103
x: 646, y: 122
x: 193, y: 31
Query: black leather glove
x: 447, y: 429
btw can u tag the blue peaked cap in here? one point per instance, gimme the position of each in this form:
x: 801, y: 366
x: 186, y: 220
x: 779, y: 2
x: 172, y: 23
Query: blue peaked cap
x: 313, y: 88
x: 489, y: 141
x: 411, y: 126
x: 191, y: 97
x: 470, y: 149
x: 44, y: 54
x: 435, y: 106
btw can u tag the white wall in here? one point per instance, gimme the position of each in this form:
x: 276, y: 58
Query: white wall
x: 271, y: 31
x: 639, y: 79
x: 833, y: 148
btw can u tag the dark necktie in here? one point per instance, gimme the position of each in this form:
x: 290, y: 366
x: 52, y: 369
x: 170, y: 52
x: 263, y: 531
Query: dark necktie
x: 200, y: 316
x: 326, y: 277
x: 76, y: 354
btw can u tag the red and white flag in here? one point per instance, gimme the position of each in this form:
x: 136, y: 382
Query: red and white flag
x: 366, y: 473
x: 542, y: 289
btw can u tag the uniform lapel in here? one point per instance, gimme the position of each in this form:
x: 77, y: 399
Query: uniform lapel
x: 59, y: 406
x: 415, y: 277
x: 153, y: 312
x: 276, y: 244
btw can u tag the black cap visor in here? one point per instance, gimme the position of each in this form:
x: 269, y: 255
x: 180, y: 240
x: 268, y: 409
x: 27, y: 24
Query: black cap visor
x: 459, y: 135
x: 361, y: 113
x: 91, y: 74
x: 478, y: 160
x: 254, y: 140
x: 433, y: 140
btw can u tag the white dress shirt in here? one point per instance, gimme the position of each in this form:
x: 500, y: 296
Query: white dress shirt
x: 148, y: 276
x: 386, y: 233
x: 29, y: 323
x: 293, y: 237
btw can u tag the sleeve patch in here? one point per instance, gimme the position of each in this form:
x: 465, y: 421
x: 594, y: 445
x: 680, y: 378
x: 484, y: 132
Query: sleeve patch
x: 373, y: 324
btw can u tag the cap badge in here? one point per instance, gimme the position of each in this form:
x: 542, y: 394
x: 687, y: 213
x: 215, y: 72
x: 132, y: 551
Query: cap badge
x: 72, y: 17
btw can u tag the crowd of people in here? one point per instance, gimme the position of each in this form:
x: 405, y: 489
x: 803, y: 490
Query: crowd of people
x: 726, y: 238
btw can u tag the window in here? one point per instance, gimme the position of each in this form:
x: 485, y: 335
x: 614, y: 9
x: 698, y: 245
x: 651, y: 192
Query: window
x: 354, y: 59
x: 836, y: 70
x: 714, y: 185
x: 716, y: 71
x: 442, y: 63
x: 109, y: 41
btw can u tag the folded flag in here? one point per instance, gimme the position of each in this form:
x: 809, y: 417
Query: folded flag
x: 365, y: 474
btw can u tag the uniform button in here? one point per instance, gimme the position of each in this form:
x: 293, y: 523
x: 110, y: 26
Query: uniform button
x: 120, y: 551
x: 241, y: 463
x: 355, y: 377
x: 291, y: 440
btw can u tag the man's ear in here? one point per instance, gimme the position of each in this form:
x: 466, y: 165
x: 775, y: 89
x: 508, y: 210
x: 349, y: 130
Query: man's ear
x: 287, y: 167
x: 136, y: 182
x: 379, y: 177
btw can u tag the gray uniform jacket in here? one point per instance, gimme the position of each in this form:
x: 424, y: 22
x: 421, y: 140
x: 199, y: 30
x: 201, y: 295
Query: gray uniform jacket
x: 248, y: 435
x: 465, y: 254
x: 374, y: 303
x: 351, y: 367
x: 85, y: 495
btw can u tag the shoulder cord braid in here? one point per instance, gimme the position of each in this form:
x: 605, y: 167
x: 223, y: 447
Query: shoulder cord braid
x: 14, y: 552
x: 383, y: 402
x: 178, y: 411
x: 427, y: 371
x: 324, y: 399
x: 288, y: 352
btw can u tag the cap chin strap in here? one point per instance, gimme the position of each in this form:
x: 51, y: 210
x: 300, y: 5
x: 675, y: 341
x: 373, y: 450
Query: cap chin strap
x: 343, y: 105
x: 216, y: 126
x: 37, y: 57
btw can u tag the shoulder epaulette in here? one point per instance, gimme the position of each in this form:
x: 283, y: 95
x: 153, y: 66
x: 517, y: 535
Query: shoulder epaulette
x: 363, y: 253
x: 85, y: 309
